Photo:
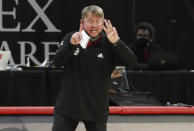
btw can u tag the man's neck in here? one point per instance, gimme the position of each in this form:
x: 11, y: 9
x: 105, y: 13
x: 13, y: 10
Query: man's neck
x: 95, y: 38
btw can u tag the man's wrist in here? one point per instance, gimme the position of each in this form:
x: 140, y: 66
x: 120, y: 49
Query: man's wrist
x: 116, y: 43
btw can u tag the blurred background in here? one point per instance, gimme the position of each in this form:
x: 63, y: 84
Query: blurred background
x: 34, y: 28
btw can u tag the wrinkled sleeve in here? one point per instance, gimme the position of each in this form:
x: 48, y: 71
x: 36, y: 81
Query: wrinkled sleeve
x: 64, y: 53
x: 124, y: 56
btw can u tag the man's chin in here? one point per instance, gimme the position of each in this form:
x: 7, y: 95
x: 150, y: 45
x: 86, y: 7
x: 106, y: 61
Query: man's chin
x: 94, y: 35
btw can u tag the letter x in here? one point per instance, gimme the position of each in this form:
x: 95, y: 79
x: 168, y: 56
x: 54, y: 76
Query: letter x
x: 40, y: 14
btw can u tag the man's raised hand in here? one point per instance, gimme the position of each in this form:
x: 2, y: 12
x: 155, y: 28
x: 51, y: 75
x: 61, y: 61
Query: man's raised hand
x: 110, y: 31
x: 77, y: 37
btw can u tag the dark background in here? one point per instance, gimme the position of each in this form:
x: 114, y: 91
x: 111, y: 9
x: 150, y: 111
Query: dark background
x: 173, y: 21
x: 40, y: 87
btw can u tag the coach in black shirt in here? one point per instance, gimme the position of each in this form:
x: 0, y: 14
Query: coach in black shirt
x: 83, y: 95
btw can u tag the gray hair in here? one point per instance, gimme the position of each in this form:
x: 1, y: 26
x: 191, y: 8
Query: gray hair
x: 94, y: 10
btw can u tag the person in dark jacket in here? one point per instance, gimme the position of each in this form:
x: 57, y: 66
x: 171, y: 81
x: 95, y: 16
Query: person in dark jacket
x: 144, y: 44
x: 83, y: 95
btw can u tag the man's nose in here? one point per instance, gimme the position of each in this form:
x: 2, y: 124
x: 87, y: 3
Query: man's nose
x: 94, y: 24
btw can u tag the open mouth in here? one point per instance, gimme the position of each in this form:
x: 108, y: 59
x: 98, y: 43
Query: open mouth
x: 93, y: 31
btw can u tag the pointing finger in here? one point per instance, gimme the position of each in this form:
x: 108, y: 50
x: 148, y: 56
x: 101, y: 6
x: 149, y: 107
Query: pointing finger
x: 109, y: 23
x: 79, y: 36
x: 80, y: 27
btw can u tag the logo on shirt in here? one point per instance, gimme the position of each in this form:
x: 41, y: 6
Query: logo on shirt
x: 77, y: 51
x: 61, y: 43
x: 100, y: 56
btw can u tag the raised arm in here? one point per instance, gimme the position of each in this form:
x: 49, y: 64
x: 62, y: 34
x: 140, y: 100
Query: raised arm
x: 123, y: 55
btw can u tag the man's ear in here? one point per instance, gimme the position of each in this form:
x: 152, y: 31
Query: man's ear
x: 82, y: 23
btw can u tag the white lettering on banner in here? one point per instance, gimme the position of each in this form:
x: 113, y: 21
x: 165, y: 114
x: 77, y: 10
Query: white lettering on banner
x: 23, y: 55
x: 40, y: 15
x: 16, y: 26
x: 5, y: 46
x: 12, y: 13
x: 47, y: 52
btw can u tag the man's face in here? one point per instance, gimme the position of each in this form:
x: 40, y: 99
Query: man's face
x: 92, y: 24
x: 143, y: 33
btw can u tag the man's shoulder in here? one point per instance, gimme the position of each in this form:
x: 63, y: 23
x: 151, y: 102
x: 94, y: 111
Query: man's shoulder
x: 132, y: 46
x: 69, y: 34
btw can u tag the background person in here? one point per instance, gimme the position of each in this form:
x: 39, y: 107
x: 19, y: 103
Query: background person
x: 144, y: 44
